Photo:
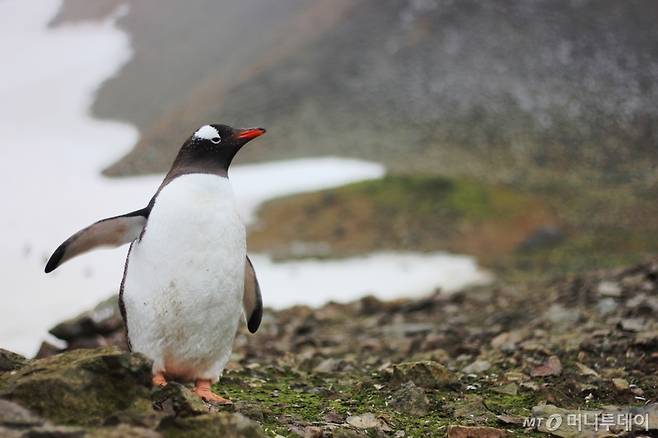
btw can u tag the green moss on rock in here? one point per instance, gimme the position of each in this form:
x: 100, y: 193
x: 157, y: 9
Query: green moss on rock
x: 84, y: 387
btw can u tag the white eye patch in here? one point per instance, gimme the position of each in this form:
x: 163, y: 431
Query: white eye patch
x: 207, y: 132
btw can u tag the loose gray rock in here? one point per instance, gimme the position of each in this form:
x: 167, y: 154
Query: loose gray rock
x: 632, y: 324
x: 411, y: 400
x: 608, y: 289
x: 367, y: 421
x: 426, y: 374
x: 13, y: 415
x: 477, y: 367
x: 103, y: 319
x: 606, y: 306
x: 176, y: 399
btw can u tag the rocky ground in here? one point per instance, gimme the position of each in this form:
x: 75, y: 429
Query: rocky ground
x: 478, y: 363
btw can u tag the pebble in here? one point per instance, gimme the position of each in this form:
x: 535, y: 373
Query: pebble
x: 477, y: 367
x: 609, y: 289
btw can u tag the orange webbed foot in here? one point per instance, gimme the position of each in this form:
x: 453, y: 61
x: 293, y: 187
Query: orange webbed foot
x: 202, y: 389
x: 159, y: 379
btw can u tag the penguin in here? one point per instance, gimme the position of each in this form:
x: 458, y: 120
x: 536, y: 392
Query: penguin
x: 187, y: 278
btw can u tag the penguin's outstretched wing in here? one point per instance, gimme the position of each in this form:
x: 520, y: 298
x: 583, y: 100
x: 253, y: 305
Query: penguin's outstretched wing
x: 252, y: 301
x: 110, y: 232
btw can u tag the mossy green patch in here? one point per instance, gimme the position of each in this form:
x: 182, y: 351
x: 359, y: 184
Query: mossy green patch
x: 558, y: 225
x: 280, y: 398
x: 465, y: 199
x: 519, y: 405
x: 426, y: 213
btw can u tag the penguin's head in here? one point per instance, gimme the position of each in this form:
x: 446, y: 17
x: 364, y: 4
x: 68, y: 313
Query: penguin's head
x: 215, y: 145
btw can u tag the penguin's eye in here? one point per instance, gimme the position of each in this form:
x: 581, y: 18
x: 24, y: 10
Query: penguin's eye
x: 216, y: 140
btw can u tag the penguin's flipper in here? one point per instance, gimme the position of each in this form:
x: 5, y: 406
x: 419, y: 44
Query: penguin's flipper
x: 252, y: 301
x: 110, y: 232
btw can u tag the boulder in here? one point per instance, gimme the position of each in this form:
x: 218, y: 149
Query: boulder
x: 84, y: 387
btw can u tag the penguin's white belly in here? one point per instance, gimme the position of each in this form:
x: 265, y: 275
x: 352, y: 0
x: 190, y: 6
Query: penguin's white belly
x: 185, y: 279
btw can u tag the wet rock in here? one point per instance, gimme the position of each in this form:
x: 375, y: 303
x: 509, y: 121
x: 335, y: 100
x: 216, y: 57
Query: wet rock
x: 552, y: 367
x: 83, y: 387
x: 426, y: 374
x: 477, y: 367
x: 411, y: 400
x: 10, y: 361
x: 223, y: 424
x: 474, y: 432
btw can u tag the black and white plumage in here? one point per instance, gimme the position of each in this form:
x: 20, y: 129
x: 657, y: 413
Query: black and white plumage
x: 187, y: 278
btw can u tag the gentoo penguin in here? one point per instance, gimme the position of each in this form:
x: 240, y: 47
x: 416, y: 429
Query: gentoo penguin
x: 187, y: 277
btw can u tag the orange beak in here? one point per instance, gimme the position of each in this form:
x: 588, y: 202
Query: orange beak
x: 249, y: 133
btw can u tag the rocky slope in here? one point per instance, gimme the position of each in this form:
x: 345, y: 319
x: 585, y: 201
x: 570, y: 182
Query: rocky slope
x: 498, y: 89
x: 474, y: 364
